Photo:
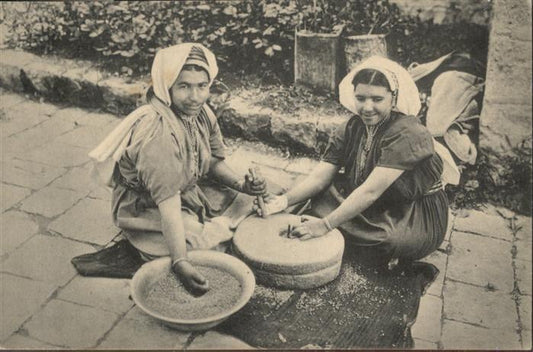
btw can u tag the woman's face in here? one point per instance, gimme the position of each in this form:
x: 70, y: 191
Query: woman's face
x: 373, y: 103
x: 190, y: 91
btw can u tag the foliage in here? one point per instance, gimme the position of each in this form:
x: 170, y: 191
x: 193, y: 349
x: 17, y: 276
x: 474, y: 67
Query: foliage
x: 251, y: 36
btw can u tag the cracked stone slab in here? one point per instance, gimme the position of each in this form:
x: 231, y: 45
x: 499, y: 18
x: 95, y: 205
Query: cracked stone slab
x: 77, y: 179
x: 12, y: 195
x: 15, y: 228
x: 17, y: 307
x: 45, y: 258
x: 523, y: 224
x: 58, y: 154
x: 479, y: 306
x: 438, y: 259
x: 84, y: 136
x: 524, y: 310
x: 20, y: 341
x: 523, y: 250
x: 457, y: 335
x: 51, y: 201
x: 104, y: 293
x: 16, y: 121
x: 480, y: 261
x: 10, y: 99
x: 90, y: 221
x: 70, y: 325
x: 29, y: 174
x: 523, y: 274
x: 428, y: 321
x: 139, y: 331
x: 483, y: 224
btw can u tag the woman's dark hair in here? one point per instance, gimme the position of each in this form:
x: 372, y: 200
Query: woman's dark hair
x: 189, y: 67
x: 372, y: 77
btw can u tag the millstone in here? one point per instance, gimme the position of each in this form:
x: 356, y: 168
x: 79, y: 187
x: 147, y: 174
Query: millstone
x: 287, y: 262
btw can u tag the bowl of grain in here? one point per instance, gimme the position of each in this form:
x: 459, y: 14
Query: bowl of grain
x: 157, y: 291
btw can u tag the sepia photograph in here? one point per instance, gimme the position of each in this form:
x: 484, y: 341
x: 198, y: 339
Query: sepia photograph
x: 266, y: 174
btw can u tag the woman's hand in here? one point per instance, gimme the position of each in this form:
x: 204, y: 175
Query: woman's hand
x: 273, y: 204
x: 190, y: 277
x: 254, y: 184
x: 310, y: 228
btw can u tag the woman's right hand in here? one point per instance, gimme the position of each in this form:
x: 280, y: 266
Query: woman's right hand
x: 191, y: 278
x: 273, y: 204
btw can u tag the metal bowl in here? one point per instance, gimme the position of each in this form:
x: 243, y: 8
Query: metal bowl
x: 149, y: 273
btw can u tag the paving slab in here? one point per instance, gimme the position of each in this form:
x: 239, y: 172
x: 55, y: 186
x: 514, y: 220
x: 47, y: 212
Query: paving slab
x: 101, y: 192
x: 10, y: 99
x: 24, y: 142
x: 524, y: 228
x: 17, y: 307
x: 29, y: 174
x: 213, y: 340
x: 96, y: 119
x: 139, y: 331
x: 15, y: 121
x: 89, y: 221
x: 45, y: 258
x: 523, y: 250
x: 479, y: 306
x: 438, y: 259
x: 36, y: 107
x: 51, y: 201
x: 524, y: 310
x: 481, y: 261
x: 58, y: 154
x: 425, y: 345
x: 523, y: 276
x: 301, y: 165
x: 11, y: 195
x: 526, y: 339
x: 85, y: 136
x: 457, y: 335
x: 104, y: 293
x: 484, y: 224
x: 20, y: 341
x: 15, y: 228
x: 245, y: 157
x: 428, y: 321
x: 451, y: 222
x: 70, y: 325
x: 77, y: 178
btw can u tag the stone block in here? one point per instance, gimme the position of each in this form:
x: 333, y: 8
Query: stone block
x: 483, y: 224
x: 119, y: 96
x: 299, y: 133
x: 213, y: 340
x: 15, y: 228
x: 51, y: 201
x: 481, y: 261
x: 523, y: 250
x: 479, y: 306
x: 10, y: 78
x: 70, y: 325
x: 524, y: 310
x: 143, y: 332
x: 428, y: 321
x: 19, y: 341
x: 301, y: 165
x: 456, y: 335
x: 77, y: 179
x: 17, y: 58
x: 523, y: 276
x: 242, y: 118
x: 20, y: 298
x: 45, y: 258
x: 425, y: 345
x: 88, y: 221
x: 29, y: 174
x: 11, y: 195
x: 23, y: 142
x: 438, y: 259
x: 58, y: 154
x: 523, y: 224
x: 103, y: 293
x: 514, y: 80
x: 86, y: 136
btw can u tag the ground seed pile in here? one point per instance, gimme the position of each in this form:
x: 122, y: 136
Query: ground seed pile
x: 169, y: 297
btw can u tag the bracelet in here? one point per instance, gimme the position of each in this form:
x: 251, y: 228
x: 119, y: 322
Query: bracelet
x: 176, y: 261
x: 328, y: 225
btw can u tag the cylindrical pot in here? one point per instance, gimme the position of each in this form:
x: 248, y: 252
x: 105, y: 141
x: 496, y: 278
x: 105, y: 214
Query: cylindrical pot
x: 359, y: 47
x: 316, y: 60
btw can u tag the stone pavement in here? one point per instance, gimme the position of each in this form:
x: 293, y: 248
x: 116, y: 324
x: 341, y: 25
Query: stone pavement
x: 51, y: 211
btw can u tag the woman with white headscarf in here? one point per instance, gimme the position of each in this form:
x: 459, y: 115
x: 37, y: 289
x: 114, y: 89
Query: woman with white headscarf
x: 157, y: 155
x: 389, y: 197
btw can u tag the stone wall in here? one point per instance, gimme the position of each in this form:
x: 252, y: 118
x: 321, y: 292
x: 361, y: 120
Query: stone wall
x: 505, y: 121
x: 474, y: 11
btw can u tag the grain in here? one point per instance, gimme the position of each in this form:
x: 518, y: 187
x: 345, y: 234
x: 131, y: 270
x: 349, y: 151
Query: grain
x: 169, y: 298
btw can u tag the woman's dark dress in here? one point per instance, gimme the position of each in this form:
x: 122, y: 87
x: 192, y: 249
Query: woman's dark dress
x: 409, y: 220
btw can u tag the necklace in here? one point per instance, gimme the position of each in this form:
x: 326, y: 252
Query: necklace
x: 192, y: 131
x: 370, y: 134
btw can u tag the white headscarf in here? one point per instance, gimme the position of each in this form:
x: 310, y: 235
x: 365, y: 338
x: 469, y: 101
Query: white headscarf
x: 166, y: 68
x: 168, y: 63
x: 407, y: 99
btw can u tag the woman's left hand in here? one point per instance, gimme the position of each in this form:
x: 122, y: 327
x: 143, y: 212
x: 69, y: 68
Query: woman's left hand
x: 254, y: 186
x: 310, y: 228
